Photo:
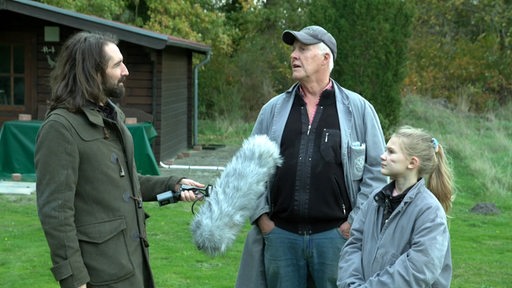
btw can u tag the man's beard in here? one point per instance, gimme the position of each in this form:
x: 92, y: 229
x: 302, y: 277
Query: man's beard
x: 114, y: 91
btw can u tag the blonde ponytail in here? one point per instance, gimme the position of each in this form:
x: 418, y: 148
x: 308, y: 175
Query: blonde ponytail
x: 440, y: 181
x: 433, y: 163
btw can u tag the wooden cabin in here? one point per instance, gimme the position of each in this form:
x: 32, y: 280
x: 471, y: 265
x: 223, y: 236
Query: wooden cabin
x: 160, y: 87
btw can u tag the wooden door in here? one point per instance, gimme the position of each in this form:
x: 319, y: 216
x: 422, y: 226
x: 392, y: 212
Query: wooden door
x: 16, y: 62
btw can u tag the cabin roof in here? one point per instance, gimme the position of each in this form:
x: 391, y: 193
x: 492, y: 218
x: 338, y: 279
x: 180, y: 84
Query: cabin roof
x: 81, y: 21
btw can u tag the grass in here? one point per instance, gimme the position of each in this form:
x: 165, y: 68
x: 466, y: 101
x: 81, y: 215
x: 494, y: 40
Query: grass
x: 480, y: 154
x: 223, y: 131
x: 25, y: 255
x: 479, y: 148
x: 178, y: 263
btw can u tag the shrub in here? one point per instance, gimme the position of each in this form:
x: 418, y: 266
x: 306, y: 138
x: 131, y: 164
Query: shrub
x: 372, y: 39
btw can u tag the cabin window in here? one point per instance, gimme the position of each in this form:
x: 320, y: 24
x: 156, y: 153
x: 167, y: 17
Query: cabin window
x: 12, y: 74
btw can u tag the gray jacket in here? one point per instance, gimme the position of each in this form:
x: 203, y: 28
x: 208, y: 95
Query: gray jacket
x: 362, y: 144
x: 412, y: 250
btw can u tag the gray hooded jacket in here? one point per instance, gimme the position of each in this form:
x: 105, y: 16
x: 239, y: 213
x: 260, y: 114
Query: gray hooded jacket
x: 362, y: 144
x: 411, y: 250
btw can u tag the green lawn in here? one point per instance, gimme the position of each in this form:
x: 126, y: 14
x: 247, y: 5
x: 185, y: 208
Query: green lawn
x: 176, y: 262
x: 481, y: 244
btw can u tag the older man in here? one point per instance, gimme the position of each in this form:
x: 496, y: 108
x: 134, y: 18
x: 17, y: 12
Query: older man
x: 330, y: 140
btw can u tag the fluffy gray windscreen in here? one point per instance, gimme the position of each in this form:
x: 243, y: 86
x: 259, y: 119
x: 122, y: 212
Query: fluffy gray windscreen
x: 235, y: 194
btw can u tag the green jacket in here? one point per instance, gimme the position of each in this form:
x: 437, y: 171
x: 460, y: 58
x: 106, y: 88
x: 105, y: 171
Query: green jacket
x: 89, y: 200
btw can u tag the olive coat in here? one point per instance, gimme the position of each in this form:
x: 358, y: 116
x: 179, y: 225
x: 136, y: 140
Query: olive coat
x: 89, y: 199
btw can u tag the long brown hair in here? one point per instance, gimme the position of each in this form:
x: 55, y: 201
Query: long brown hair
x: 434, y: 165
x: 80, y: 70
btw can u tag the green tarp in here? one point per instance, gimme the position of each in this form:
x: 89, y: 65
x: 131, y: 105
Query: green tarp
x: 17, y: 144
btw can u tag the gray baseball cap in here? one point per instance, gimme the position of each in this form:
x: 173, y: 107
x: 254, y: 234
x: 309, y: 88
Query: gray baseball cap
x: 311, y: 35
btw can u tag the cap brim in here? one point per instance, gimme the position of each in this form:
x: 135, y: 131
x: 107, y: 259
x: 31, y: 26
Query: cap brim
x: 290, y: 36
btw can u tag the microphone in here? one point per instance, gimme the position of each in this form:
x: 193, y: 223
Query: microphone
x: 235, y: 194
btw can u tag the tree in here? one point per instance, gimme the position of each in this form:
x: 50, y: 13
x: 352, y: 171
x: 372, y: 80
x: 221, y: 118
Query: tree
x: 111, y: 10
x: 461, y: 51
x: 258, y: 67
x: 250, y: 63
x: 372, y: 48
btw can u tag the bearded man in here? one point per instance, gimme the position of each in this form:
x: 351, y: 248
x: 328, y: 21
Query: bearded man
x: 89, y: 195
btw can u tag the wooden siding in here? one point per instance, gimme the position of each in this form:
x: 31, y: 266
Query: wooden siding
x: 175, y: 103
x: 140, y: 91
x: 160, y: 81
x: 44, y: 66
x: 139, y: 87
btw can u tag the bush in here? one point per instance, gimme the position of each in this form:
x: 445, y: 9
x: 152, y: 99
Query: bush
x: 372, y: 39
x: 460, y: 51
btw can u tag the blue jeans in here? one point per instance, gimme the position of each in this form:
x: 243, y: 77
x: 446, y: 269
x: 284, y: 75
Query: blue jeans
x: 289, y: 257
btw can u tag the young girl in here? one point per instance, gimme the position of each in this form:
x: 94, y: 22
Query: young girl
x: 400, y: 237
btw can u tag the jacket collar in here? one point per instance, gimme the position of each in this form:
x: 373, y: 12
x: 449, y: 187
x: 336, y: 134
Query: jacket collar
x: 95, y: 116
x: 387, y: 190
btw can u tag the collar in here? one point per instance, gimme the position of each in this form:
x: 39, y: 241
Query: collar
x: 328, y: 87
x: 386, y: 193
x: 326, y: 97
x: 94, y: 113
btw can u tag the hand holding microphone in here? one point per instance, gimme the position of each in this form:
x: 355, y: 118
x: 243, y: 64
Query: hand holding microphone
x: 188, y: 189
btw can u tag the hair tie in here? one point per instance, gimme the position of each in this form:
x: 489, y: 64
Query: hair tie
x: 435, y: 144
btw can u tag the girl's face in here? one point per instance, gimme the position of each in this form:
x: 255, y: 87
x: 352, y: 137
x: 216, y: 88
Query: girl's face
x: 394, y: 162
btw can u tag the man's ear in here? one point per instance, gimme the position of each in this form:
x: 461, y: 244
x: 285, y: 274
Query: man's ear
x: 414, y: 162
x: 326, y: 57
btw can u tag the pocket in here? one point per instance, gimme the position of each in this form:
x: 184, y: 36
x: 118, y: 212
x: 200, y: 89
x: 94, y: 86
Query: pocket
x: 330, y: 146
x: 341, y: 197
x: 342, y: 238
x: 357, y: 157
x: 105, y: 251
x: 269, y: 232
x: 273, y: 237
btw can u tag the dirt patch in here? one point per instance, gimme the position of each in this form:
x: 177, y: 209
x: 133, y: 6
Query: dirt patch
x: 485, y: 209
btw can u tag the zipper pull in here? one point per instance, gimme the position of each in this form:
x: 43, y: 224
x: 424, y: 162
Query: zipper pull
x: 326, y: 136
x: 309, y: 128
x: 344, y: 211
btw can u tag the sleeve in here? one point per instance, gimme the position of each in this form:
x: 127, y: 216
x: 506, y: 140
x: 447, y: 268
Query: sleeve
x: 56, y: 163
x: 262, y: 127
x: 262, y: 124
x: 375, y: 144
x: 350, y: 270
x: 150, y: 186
